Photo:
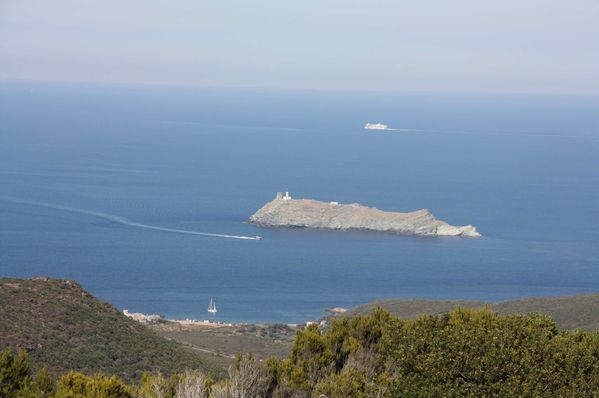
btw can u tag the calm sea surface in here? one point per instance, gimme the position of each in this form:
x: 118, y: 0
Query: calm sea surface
x: 524, y: 169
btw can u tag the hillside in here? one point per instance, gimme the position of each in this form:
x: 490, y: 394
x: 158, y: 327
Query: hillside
x: 464, y: 353
x: 569, y: 312
x: 64, y: 327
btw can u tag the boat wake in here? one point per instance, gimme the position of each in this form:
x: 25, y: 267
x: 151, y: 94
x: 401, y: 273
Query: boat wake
x: 124, y: 221
x: 396, y: 129
x: 384, y: 127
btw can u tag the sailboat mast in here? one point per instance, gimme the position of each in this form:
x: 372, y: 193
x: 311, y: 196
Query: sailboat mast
x: 212, y: 306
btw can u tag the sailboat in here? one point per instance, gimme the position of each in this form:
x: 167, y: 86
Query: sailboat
x: 212, y: 307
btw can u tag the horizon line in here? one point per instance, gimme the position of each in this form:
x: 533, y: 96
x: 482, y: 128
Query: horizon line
x: 288, y: 88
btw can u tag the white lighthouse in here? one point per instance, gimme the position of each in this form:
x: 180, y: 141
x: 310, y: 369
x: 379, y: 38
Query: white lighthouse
x: 280, y: 196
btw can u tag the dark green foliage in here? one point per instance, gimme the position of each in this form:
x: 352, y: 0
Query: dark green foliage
x: 478, y: 353
x: 43, y: 383
x: 466, y: 353
x: 17, y: 380
x: 65, y: 328
x: 345, y: 361
x: 14, y: 372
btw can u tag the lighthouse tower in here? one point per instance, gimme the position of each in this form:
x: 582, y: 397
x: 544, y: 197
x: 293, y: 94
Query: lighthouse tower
x: 286, y: 197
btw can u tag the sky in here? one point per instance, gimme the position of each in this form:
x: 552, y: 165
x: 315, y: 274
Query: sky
x: 532, y: 46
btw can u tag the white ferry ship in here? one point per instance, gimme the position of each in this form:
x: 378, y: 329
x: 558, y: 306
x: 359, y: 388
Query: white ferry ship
x: 376, y: 126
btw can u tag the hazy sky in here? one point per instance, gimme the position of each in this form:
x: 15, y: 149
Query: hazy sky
x: 432, y: 45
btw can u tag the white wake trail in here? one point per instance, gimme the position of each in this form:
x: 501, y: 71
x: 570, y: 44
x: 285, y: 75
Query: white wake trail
x: 398, y: 129
x: 123, y: 220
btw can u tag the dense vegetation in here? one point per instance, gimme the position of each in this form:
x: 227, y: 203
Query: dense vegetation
x: 569, y: 312
x: 65, y: 328
x: 465, y: 353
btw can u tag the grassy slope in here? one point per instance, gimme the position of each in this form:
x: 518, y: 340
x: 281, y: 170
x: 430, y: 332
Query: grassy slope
x: 66, y: 328
x: 227, y: 341
x: 569, y: 312
x: 412, y: 309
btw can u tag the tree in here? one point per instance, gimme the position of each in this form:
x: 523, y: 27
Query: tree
x: 78, y: 385
x: 14, y: 372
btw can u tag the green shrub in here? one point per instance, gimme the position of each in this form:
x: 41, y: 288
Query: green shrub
x: 14, y: 372
x: 17, y: 380
x: 78, y: 385
x: 465, y: 353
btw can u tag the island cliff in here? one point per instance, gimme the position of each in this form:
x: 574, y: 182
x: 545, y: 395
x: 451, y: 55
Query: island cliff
x: 285, y: 211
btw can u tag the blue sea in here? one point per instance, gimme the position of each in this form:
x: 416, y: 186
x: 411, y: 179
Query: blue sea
x: 524, y: 169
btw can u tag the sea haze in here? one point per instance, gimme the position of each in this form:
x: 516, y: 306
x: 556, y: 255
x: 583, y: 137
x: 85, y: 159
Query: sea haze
x: 524, y: 169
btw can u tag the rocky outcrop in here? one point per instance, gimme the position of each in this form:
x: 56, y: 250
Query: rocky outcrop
x: 284, y: 211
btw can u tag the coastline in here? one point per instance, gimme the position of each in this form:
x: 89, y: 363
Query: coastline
x: 571, y: 311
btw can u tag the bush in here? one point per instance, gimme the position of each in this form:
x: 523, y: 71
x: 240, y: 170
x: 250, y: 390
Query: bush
x: 78, y: 385
x: 466, y: 353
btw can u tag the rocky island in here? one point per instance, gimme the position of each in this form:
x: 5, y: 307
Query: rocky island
x: 284, y: 211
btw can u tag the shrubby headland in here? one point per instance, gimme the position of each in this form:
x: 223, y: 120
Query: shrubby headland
x: 64, y: 327
x: 466, y: 352
x: 285, y: 211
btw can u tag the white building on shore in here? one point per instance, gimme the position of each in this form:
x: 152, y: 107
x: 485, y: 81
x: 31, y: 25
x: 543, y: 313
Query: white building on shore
x: 286, y: 197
